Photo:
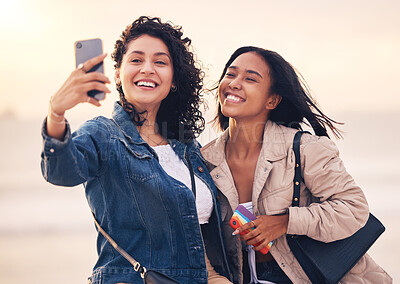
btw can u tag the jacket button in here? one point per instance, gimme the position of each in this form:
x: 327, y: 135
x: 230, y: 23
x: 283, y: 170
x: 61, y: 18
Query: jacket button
x: 200, y: 169
x: 217, y: 176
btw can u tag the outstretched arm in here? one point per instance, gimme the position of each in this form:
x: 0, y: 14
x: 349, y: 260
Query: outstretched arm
x: 72, y: 92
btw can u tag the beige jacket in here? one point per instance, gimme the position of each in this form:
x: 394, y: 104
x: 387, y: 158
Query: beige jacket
x: 338, y: 208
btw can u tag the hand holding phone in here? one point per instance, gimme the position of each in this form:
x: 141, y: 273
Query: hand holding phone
x: 85, y: 50
x: 242, y: 216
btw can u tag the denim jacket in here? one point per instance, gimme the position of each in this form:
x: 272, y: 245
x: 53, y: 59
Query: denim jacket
x: 148, y: 213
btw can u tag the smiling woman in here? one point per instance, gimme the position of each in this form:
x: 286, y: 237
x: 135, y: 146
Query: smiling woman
x: 139, y: 168
x: 262, y: 105
x: 147, y: 74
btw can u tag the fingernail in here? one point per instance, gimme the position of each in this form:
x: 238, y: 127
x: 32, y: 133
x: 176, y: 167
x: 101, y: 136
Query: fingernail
x: 235, y: 232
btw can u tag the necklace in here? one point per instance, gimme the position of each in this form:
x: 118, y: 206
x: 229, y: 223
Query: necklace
x: 161, y: 142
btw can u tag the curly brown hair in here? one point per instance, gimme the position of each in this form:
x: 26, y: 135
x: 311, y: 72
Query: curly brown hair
x: 179, y: 116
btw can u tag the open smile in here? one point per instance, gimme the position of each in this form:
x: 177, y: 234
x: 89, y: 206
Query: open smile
x: 146, y: 84
x: 234, y: 98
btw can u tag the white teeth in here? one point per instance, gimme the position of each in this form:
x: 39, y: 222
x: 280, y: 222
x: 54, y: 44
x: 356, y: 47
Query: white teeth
x: 233, y: 98
x: 146, y: 84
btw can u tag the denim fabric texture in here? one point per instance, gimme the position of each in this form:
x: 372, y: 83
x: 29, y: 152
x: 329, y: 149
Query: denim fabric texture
x: 148, y: 213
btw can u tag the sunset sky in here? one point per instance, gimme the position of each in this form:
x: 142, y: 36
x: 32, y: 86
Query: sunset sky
x: 347, y: 51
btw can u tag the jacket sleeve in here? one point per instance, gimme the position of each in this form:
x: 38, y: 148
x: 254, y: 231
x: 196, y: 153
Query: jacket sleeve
x: 342, y: 208
x: 77, y: 157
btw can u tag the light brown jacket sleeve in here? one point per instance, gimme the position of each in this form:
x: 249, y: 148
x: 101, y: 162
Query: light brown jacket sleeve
x: 343, y: 208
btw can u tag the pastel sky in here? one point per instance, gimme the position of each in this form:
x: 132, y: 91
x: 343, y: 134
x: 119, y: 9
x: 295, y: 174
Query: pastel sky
x: 347, y: 51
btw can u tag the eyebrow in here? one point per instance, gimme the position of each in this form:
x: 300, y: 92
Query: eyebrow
x: 156, y: 54
x: 247, y: 71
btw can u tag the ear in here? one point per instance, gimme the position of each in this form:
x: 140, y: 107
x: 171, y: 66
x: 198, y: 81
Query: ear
x: 117, y: 77
x: 273, y: 101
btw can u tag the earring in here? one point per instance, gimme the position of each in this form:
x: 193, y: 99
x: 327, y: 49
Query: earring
x: 173, y: 88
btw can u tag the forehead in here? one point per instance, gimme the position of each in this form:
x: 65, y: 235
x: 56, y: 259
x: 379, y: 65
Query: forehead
x: 147, y: 44
x: 251, y: 61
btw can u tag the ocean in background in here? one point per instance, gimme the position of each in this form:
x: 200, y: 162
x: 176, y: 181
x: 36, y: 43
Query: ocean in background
x: 47, y: 235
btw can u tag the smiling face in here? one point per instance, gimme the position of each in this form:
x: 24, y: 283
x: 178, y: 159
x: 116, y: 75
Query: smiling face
x: 146, y: 73
x: 244, y: 90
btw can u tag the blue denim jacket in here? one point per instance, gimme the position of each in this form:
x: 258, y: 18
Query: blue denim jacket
x: 148, y: 213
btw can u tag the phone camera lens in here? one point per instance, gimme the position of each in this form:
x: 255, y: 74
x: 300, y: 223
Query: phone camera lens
x: 79, y: 45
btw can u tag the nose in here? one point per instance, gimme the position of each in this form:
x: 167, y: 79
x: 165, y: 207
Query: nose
x: 147, y: 67
x: 235, y: 84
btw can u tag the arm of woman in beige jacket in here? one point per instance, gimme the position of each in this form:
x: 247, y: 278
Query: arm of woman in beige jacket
x: 343, y: 208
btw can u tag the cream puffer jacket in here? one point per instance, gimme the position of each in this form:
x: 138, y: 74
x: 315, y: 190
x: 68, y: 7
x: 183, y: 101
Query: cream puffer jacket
x: 332, y: 206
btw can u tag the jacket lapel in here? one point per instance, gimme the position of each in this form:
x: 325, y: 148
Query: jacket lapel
x: 273, y: 149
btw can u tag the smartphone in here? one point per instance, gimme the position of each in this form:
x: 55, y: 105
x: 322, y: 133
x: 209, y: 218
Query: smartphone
x: 85, y: 50
x: 242, y: 216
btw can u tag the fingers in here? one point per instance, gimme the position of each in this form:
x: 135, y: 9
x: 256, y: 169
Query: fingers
x: 93, y: 101
x: 89, y: 64
x: 95, y: 76
x: 94, y: 85
x: 245, y: 228
x: 260, y: 246
x: 249, y: 235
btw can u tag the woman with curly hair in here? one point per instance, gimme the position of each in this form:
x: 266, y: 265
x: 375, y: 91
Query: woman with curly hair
x: 135, y: 166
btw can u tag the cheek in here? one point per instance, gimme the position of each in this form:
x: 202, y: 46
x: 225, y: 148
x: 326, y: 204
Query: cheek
x: 168, y: 75
x: 219, y: 94
x: 221, y: 88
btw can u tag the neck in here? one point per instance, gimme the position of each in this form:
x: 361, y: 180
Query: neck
x: 149, y: 130
x: 245, y: 138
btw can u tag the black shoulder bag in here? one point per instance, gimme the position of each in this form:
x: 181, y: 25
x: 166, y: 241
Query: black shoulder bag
x: 329, y: 262
x: 149, y: 276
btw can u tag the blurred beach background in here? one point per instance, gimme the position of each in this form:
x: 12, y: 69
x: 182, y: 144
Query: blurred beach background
x: 347, y: 51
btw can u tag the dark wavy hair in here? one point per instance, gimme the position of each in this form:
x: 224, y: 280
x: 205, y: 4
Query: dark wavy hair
x: 296, y: 104
x: 179, y: 116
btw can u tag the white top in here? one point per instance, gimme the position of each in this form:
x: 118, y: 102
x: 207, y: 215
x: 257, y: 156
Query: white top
x: 248, y: 206
x: 176, y: 168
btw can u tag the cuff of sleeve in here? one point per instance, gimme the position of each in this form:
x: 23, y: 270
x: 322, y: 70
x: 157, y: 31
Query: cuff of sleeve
x: 53, y: 146
x: 298, y: 224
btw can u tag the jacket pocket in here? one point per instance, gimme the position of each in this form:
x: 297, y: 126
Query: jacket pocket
x: 277, y: 201
x: 137, y: 164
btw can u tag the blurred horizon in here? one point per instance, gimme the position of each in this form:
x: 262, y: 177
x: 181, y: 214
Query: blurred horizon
x: 347, y: 51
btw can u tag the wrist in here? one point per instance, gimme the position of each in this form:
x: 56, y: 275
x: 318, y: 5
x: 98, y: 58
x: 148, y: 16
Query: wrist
x: 53, y: 111
x: 55, y: 118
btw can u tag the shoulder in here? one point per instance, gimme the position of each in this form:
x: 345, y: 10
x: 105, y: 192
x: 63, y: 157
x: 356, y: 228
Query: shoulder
x: 308, y: 140
x: 214, y: 151
x: 208, y: 146
x: 279, y: 140
x: 312, y: 143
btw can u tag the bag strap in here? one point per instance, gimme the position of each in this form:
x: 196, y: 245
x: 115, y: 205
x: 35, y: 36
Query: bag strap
x: 136, y: 265
x: 191, y: 174
x: 297, y: 168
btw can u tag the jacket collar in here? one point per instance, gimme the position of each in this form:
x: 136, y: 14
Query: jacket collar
x: 129, y: 130
x: 124, y: 122
x: 273, y: 149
